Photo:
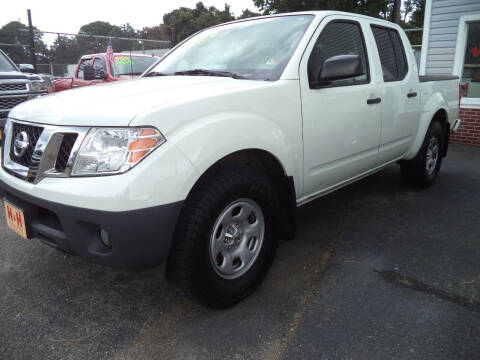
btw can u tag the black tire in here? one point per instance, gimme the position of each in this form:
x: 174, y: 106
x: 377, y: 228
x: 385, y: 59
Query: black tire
x: 189, y: 262
x: 414, y: 172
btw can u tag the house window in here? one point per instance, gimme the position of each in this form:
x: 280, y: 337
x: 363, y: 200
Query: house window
x: 471, y: 64
x: 467, y: 60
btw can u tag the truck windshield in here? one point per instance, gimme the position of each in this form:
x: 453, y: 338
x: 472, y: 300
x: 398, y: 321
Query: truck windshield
x: 134, y: 65
x: 255, y: 49
x: 6, y: 65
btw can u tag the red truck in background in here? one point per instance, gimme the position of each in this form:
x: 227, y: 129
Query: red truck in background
x: 96, y: 68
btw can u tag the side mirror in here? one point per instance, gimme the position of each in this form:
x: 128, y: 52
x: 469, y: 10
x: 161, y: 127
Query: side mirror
x: 88, y: 72
x: 26, y: 68
x: 340, y: 67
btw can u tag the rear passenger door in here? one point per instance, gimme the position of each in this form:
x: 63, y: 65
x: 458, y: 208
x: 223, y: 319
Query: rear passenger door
x: 400, y: 92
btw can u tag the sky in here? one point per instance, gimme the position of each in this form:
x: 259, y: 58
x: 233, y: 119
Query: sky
x: 68, y: 15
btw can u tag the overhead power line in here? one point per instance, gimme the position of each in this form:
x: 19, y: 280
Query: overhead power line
x: 96, y: 36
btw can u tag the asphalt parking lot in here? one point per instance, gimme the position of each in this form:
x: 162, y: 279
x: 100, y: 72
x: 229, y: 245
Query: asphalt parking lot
x: 377, y: 271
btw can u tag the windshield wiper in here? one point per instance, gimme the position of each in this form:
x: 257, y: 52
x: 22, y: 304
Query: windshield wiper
x: 156, y: 73
x: 209, y: 73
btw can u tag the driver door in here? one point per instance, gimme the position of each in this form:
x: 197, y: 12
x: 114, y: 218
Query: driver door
x: 341, y: 118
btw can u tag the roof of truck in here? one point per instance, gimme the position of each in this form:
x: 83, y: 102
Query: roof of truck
x: 322, y: 13
x: 117, y: 54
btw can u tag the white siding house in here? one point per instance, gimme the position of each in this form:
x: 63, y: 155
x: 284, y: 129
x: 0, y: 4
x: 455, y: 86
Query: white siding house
x: 451, y: 46
x: 441, y: 30
x: 451, y: 42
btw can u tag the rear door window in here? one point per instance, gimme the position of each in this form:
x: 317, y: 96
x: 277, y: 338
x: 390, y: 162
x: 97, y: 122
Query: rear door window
x: 391, y: 52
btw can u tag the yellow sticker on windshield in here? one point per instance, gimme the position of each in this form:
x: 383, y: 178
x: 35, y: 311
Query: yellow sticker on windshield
x: 123, y: 60
x: 206, y: 40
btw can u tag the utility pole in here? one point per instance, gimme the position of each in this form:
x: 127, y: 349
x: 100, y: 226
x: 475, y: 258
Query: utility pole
x: 173, y: 38
x: 396, y: 11
x: 32, y: 41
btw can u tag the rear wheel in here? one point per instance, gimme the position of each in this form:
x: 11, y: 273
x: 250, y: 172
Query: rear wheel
x: 423, y: 169
x: 226, y: 237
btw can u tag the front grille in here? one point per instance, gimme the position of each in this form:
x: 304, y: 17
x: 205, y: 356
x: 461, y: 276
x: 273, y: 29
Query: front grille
x: 10, y: 102
x: 33, y: 133
x: 48, y: 157
x: 64, y: 152
x: 13, y: 87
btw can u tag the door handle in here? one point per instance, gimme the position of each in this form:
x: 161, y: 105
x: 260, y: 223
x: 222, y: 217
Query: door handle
x: 374, y: 101
x: 411, y: 94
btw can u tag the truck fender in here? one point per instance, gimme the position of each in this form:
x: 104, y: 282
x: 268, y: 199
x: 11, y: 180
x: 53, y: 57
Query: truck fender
x: 435, y: 103
x: 207, y: 140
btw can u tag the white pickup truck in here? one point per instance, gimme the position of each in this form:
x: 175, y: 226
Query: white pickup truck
x: 204, y: 159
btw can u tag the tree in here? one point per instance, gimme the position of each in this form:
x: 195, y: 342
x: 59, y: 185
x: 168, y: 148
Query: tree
x: 100, y: 28
x: 414, y: 12
x: 158, y: 32
x: 16, y: 33
x: 65, y: 50
x: 248, y: 14
x: 396, y: 11
x: 413, y: 15
x: 93, y: 44
x: 184, y: 22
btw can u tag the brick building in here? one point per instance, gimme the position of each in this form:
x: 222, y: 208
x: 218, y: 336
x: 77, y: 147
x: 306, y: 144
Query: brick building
x: 451, y: 45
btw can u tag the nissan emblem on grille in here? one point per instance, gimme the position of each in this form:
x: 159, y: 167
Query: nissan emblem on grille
x: 22, y: 142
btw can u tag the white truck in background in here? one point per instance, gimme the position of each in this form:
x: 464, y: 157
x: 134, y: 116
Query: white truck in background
x: 204, y: 159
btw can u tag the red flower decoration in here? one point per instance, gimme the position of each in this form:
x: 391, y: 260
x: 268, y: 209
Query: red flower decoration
x: 475, y: 51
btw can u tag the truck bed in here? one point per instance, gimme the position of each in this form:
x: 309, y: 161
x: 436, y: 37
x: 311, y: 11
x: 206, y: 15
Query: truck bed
x: 446, y: 86
x: 427, y: 78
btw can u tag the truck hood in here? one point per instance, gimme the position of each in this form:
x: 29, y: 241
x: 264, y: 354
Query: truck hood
x: 7, y: 75
x: 118, y: 103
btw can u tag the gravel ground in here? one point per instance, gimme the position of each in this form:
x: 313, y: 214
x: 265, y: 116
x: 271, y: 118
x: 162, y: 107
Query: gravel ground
x: 377, y: 271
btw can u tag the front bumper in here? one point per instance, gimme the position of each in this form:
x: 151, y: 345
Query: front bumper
x: 139, y: 238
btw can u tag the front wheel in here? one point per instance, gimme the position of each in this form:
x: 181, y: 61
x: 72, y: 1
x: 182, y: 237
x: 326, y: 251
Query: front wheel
x: 226, y: 237
x: 423, y: 169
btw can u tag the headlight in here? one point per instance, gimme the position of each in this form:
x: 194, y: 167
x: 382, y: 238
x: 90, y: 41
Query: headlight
x: 114, y: 150
x: 38, y: 86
